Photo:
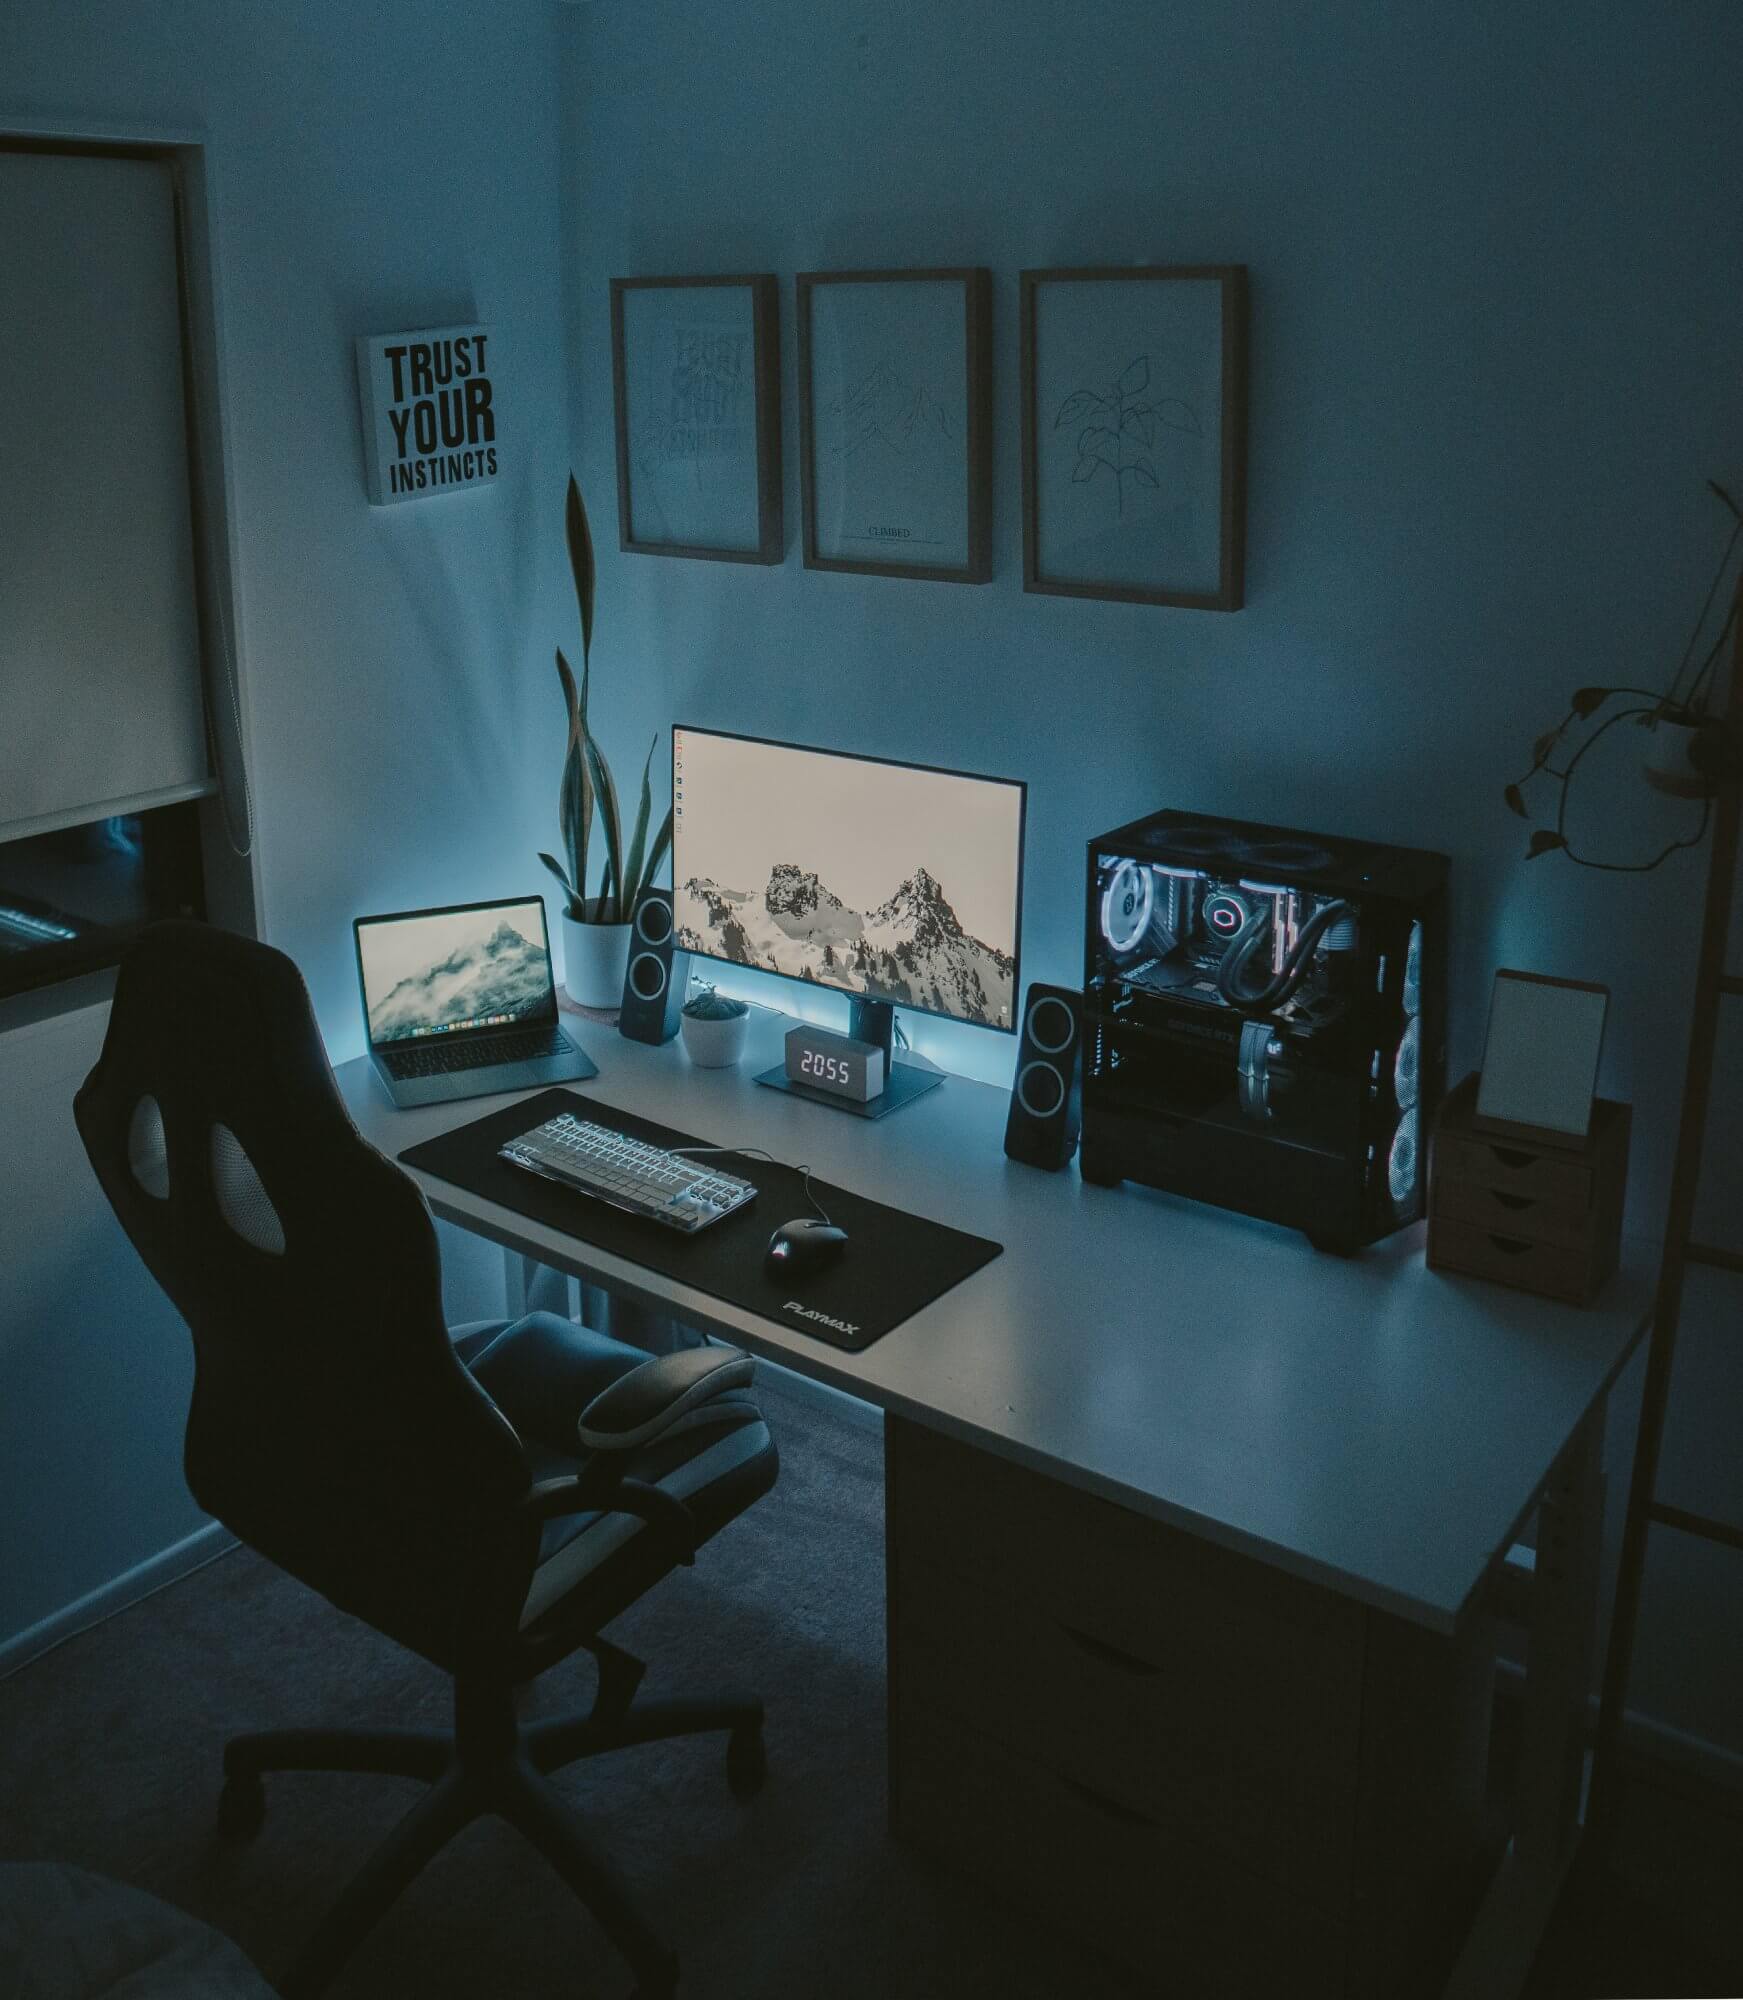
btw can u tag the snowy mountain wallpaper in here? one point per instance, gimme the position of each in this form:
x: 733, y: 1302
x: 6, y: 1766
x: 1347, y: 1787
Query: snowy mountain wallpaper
x: 877, y: 879
x: 425, y: 973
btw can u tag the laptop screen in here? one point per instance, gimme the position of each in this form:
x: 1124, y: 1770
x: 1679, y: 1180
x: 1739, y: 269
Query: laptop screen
x: 445, y: 972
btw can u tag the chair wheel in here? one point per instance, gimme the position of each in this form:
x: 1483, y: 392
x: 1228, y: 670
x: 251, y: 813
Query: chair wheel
x: 747, y: 1762
x: 241, y: 1807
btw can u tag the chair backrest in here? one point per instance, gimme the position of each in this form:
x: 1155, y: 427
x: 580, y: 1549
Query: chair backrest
x: 331, y: 1425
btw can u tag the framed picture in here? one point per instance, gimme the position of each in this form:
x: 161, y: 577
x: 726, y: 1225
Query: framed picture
x: 895, y: 422
x: 696, y: 370
x: 1134, y: 434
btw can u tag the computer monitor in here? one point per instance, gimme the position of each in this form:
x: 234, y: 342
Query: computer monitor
x: 896, y: 884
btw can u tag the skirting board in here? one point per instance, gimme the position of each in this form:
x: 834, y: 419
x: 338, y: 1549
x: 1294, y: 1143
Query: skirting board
x: 1655, y: 1742
x: 214, y: 1540
x: 142, y: 1580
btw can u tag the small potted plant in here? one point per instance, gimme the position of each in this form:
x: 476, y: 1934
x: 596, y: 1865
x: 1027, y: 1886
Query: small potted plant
x: 713, y: 1028
x: 596, y: 929
x: 1691, y: 753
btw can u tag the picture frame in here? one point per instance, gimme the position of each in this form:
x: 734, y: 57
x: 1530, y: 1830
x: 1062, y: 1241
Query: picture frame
x: 895, y: 422
x: 696, y: 382
x: 1539, y: 1077
x: 1134, y: 396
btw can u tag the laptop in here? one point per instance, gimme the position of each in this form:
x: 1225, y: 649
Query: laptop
x: 461, y: 1003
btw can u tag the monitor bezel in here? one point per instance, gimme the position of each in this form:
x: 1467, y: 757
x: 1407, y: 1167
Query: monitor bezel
x: 1019, y: 785
x: 457, y: 910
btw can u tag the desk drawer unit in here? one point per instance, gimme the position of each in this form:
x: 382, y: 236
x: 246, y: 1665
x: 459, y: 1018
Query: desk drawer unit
x: 1228, y: 1779
x: 1543, y: 1216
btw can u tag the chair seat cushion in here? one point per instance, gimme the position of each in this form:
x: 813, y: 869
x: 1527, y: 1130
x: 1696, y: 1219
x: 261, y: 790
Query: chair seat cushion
x: 542, y: 1372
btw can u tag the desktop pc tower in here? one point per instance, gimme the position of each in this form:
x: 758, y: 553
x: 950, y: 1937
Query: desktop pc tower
x: 1265, y: 1021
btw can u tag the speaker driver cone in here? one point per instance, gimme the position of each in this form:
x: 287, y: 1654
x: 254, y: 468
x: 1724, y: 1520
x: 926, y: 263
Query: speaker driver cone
x: 1040, y: 1089
x: 653, y: 921
x: 1050, y: 1026
x: 647, y: 975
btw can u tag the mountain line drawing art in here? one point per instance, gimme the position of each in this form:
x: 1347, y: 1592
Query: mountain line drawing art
x: 911, y: 949
x: 885, y: 408
x: 503, y: 974
x: 1120, y: 429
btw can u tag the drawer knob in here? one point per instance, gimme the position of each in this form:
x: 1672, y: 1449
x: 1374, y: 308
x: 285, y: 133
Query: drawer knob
x: 1112, y: 1656
x: 1512, y: 1245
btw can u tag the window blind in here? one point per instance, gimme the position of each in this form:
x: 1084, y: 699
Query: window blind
x: 100, y: 673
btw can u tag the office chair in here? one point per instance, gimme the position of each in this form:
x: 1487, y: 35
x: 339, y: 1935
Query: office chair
x: 492, y: 1503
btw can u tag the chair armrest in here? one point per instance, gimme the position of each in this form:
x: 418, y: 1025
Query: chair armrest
x: 638, y: 1406
x: 603, y: 1490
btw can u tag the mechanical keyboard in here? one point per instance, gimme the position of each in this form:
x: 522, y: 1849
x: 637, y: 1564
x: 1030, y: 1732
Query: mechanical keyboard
x: 668, y: 1188
x: 439, y: 1058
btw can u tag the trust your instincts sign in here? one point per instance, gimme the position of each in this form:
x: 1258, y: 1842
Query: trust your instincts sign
x: 429, y: 411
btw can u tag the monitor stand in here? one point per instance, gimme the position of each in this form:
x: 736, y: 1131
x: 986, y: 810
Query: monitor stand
x: 871, y: 1021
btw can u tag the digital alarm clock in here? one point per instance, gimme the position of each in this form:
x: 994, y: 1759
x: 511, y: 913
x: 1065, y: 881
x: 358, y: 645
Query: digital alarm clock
x: 838, y: 1064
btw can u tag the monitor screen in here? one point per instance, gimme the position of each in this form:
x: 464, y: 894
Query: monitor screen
x: 442, y: 972
x: 889, y: 881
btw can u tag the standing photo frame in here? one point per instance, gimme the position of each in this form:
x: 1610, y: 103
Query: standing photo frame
x: 1134, y: 433
x: 696, y: 378
x: 895, y: 422
x: 1539, y: 1078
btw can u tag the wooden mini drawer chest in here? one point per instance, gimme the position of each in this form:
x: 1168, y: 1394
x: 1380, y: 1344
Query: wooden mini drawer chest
x: 1545, y: 1217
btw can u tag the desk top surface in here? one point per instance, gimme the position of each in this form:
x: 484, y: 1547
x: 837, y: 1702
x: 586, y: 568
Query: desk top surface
x: 1364, y: 1423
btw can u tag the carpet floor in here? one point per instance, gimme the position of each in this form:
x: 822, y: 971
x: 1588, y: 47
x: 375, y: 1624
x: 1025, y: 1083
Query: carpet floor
x: 110, y: 1753
x: 110, y: 1759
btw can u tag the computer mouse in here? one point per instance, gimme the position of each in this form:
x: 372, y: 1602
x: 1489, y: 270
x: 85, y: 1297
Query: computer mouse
x: 802, y: 1246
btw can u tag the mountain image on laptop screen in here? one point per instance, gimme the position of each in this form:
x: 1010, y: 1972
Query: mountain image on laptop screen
x: 911, y: 948
x: 457, y: 969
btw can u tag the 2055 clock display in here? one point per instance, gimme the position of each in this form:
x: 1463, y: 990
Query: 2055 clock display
x: 836, y: 1064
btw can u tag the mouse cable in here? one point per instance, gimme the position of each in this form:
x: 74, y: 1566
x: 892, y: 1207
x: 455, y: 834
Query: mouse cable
x: 757, y: 1153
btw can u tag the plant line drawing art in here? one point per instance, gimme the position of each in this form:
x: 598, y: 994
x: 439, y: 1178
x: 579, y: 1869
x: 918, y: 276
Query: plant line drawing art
x: 886, y: 405
x: 1122, y: 433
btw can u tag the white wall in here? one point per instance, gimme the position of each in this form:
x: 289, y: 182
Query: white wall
x: 371, y: 169
x: 1496, y: 343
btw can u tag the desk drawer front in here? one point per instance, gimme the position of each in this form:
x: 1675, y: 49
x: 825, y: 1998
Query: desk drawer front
x: 1136, y: 1891
x: 1544, y: 1177
x: 1567, y: 1226
x: 1545, y: 1268
x: 1222, y: 1752
x: 1131, y: 1584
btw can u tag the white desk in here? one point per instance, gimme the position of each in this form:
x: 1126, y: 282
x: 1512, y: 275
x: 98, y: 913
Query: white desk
x: 1370, y: 1427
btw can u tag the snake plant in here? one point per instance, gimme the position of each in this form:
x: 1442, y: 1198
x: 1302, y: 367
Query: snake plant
x: 587, y: 779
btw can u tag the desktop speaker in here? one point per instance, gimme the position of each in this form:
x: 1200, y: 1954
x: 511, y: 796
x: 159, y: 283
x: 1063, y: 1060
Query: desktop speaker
x: 655, y: 978
x: 1046, y: 1094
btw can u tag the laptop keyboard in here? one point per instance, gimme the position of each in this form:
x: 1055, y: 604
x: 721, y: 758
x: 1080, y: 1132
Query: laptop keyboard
x: 442, y: 1058
x: 647, y: 1180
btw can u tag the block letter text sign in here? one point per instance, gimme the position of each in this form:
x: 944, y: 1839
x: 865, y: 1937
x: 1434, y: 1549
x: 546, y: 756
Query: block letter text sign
x: 429, y: 411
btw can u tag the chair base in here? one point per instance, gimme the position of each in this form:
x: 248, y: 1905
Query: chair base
x: 485, y: 1764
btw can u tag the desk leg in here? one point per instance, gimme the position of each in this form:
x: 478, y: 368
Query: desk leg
x: 1546, y: 1805
x: 530, y: 1286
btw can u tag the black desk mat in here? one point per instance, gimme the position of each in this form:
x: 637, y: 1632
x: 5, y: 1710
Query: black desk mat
x: 893, y: 1264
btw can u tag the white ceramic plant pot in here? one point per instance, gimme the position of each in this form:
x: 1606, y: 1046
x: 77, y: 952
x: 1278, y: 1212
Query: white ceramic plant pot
x: 594, y: 959
x: 713, y: 1044
x: 1669, y: 764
